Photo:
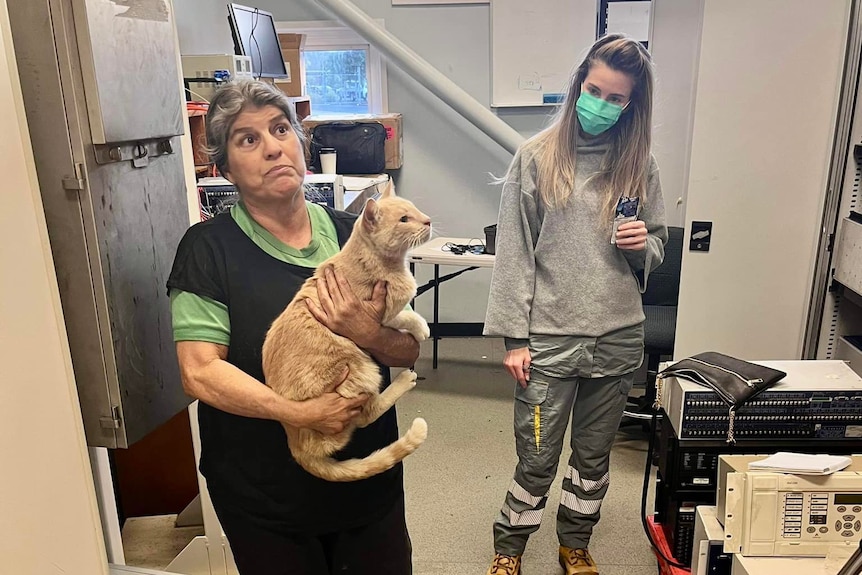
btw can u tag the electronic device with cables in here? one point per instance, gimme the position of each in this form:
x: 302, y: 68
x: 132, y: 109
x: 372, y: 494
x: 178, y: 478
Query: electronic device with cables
x: 688, y: 464
x: 468, y: 248
x: 327, y: 189
x: 216, y: 195
x: 767, y: 513
x: 254, y: 35
x: 708, y: 555
x: 819, y: 400
x: 687, y: 478
x: 213, y: 69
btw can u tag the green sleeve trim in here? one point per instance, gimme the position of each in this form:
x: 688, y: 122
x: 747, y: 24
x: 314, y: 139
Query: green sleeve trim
x: 197, y: 318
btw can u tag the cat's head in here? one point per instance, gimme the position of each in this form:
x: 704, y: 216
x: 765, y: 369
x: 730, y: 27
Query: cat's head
x: 394, y: 225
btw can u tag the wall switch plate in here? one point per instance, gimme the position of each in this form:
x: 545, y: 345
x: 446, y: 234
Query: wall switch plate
x: 701, y: 234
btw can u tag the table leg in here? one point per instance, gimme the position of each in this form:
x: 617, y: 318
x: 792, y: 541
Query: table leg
x: 436, y: 312
x: 413, y: 301
x: 413, y: 273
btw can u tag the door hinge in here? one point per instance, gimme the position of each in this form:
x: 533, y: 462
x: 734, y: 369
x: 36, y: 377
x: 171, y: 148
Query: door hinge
x: 831, y: 243
x: 112, y: 422
x: 77, y: 182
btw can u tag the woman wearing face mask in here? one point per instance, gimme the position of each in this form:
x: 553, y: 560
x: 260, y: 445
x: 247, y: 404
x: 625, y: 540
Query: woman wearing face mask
x: 566, y: 290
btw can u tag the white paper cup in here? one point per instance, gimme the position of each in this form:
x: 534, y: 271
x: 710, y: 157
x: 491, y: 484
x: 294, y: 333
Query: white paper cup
x: 327, y: 160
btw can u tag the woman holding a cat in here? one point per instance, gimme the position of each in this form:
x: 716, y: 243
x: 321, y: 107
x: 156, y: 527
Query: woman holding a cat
x: 232, y: 276
x: 566, y: 290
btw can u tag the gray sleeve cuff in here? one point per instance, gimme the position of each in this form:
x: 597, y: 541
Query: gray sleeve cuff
x: 636, y: 259
x: 514, y: 343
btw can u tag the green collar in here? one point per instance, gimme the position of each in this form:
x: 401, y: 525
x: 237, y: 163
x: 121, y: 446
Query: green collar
x: 268, y: 242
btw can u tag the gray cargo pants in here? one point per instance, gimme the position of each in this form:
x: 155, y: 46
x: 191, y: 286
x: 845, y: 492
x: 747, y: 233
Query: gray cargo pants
x: 541, y: 417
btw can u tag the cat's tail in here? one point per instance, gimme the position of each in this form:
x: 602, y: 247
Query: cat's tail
x: 355, y: 469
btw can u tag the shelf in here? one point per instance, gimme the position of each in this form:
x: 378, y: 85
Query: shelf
x: 848, y: 258
x: 302, y: 106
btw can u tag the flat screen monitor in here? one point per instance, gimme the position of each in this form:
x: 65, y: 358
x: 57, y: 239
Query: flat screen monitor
x: 254, y: 35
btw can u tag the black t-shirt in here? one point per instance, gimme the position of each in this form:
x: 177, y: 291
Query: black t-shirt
x: 246, y: 461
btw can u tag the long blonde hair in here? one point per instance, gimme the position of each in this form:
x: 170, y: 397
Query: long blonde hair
x: 625, y: 166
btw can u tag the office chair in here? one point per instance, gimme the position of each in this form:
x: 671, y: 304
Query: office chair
x: 659, y: 303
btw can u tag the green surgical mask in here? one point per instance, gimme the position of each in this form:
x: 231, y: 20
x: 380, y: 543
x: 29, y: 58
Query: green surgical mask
x: 596, y: 115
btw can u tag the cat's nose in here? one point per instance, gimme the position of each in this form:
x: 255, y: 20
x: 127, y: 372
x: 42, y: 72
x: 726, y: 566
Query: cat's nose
x: 427, y: 222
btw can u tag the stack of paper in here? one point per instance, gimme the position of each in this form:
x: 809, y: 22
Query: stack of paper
x: 801, y: 463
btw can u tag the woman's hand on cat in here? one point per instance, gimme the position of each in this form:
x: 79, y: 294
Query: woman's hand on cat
x: 331, y: 413
x: 345, y: 314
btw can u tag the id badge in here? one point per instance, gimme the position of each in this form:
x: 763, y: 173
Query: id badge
x: 626, y: 211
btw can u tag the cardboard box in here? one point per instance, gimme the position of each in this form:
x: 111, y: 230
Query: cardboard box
x: 393, y: 147
x: 291, y: 51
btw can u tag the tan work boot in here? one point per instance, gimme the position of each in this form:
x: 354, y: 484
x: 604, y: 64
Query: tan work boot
x: 505, y: 565
x: 577, y: 562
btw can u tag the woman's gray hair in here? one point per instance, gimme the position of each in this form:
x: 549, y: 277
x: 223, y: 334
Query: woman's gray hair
x: 227, y: 104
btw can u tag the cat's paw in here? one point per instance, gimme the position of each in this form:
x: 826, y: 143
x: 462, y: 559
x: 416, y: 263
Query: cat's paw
x: 406, y: 379
x: 420, y: 330
x: 418, y: 432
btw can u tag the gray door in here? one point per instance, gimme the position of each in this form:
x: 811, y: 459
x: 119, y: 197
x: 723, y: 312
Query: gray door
x: 103, y: 101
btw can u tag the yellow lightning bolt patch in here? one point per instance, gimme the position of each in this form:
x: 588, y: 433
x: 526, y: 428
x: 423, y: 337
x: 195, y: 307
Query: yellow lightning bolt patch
x: 537, y: 426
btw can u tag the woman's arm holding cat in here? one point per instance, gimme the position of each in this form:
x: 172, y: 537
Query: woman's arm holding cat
x: 393, y: 348
x: 360, y: 321
x: 207, y: 376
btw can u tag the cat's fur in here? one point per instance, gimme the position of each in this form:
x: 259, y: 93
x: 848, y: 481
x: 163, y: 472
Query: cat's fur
x: 301, y: 357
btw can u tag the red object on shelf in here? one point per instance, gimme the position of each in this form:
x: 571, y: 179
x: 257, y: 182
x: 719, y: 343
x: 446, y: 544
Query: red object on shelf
x: 661, y: 541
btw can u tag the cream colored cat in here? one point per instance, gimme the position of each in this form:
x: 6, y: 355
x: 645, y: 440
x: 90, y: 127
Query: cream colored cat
x: 301, y: 357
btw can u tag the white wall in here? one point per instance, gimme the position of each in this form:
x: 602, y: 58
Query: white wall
x: 49, y: 521
x: 675, y: 48
x: 766, y: 104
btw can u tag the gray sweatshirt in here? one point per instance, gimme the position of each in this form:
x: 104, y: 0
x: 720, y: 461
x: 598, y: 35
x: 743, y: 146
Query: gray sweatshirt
x: 556, y: 272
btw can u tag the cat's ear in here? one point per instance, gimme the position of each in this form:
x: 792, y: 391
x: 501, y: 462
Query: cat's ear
x: 370, y: 214
x: 388, y: 190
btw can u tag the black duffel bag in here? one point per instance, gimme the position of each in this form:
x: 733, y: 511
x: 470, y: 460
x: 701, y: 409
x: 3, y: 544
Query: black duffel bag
x: 359, y: 146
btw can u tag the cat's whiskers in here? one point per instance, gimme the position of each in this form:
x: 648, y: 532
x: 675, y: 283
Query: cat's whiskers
x: 416, y: 239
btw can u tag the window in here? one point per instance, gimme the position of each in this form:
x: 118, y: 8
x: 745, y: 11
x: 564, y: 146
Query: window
x: 343, y: 73
x: 337, y: 81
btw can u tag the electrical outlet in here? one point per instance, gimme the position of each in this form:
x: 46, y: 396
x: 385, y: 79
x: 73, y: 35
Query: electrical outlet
x: 701, y: 235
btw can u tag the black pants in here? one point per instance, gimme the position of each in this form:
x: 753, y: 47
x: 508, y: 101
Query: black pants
x: 381, y: 548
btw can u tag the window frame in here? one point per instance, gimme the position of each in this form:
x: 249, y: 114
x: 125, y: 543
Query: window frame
x: 330, y: 35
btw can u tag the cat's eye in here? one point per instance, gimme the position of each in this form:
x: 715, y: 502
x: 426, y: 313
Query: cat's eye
x: 404, y: 218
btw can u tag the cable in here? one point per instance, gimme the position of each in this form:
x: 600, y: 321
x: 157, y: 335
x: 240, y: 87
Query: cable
x: 253, y: 39
x: 854, y: 563
x: 193, y: 93
x: 468, y: 248
x: 647, y: 474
